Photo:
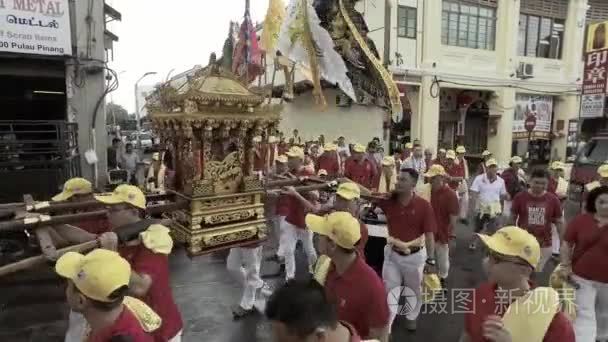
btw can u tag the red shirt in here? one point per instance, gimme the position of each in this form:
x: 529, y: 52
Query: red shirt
x: 456, y: 170
x: 159, y: 296
x: 407, y: 223
x: 484, y: 304
x: 363, y: 306
x: 126, y: 325
x: 591, y: 264
x: 536, y: 214
x: 259, y: 161
x: 329, y: 163
x: 445, y: 205
x: 363, y: 173
x: 282, y: 205
x: 95, y: 225
x: 295, y: 212
x: 552, y: 186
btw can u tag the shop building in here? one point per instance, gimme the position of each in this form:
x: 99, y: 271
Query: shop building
x: 474, y: 75
x: 54, y: 78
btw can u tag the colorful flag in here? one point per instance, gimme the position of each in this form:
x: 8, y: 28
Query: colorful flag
x: 272, y: 25
x: 247, y: 59
x: 306, y: 43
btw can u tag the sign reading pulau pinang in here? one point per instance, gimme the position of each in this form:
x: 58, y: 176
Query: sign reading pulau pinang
x: 40, y: 27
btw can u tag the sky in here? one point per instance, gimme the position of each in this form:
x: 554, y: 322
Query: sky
x: 164, y: 35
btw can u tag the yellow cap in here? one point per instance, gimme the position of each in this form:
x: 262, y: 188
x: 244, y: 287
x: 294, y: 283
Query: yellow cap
x: 388, y: 161
x: 442, y: 150
x: 157, y: 239
x: 486, y: 153
x: 156, y: 156
x: 281, y: 159
x: 96, y: 275
x: 359, y: 148
x: 514, y: 242
x: 322, y: 172
x: 603, y: 171
x: 435, y: 170
x: 128, y: 194
x: 349, y: 191
x: 431, y: 285
x: 516, y: 160
x: 341, y: 227
x: 296, y: 152
x: 491, y: 162
x: 330, y: 147
x: 74, y: 186
x: 409, y: 145
x: 450, y: 154
x: 557, y: 165
x: 461, y: 149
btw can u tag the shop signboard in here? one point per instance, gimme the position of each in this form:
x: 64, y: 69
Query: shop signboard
x: 538, y: 106
x: 592, y: 106
x: 596, y: 59
x: 35, y: 27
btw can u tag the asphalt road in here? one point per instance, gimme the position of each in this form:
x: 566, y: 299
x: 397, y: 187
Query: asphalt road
x: 32, y: 307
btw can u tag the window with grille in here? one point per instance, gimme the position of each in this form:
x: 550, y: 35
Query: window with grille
x: 468, y: 25
x: 540, y: 36
x: 406, y: 22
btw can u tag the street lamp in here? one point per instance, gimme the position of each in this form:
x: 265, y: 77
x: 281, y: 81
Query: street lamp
x: 137, y: 123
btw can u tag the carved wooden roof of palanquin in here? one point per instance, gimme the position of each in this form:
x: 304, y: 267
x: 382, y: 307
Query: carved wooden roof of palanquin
x: 211, y: 94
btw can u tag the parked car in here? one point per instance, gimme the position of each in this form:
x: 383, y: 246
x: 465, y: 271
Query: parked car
x: 145, y: 140
x: 593, y: 154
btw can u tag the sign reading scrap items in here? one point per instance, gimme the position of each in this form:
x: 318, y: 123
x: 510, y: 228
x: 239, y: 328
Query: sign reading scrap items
x: 35, y: 27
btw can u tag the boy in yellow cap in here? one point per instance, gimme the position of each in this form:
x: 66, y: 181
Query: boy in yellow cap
x: 97, y: 286
x: 407, y: 151
x: 481, y: 168
x: 533, y: 315
x: 445, y: 206
x: 81, y: 190
x: 363, y: 306
x: 148, y: 256
x: 487, y: 191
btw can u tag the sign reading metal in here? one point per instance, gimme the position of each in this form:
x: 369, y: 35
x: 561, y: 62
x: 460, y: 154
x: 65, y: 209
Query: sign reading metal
x: 35, y: 27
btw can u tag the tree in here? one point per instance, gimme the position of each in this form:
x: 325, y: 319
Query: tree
x: 117, y: 111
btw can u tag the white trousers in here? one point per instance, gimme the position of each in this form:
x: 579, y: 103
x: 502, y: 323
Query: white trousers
x: 463, y: 202
x: 280, y: 224
x: 407, y: 271
x: 506, y: 208
x: 292, y: 236
x: 244, y: 265
x: 442, y: 255
x: 591, y: 322
x: 545, y: 255
x: 555, y: 240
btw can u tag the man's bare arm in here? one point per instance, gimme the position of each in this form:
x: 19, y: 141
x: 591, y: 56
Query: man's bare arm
x: 380, y: 334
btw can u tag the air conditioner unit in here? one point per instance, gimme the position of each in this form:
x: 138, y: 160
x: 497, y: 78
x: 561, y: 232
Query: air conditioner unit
x: 525, y: 70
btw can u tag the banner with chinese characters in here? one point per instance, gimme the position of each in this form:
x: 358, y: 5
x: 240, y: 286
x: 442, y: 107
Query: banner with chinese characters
x: 594, y: 78
x: 539, y: 106
x: 35, y: 27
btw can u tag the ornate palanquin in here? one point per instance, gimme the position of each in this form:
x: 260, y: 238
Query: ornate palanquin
x: 208, y: 125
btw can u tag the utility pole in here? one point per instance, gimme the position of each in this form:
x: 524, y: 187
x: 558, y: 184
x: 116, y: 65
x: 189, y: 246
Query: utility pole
x: 387, y: 31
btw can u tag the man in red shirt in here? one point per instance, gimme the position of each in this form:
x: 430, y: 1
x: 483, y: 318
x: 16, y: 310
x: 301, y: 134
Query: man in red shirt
x: 347, y: 196
x: 299, y: 311
x: 329, y: 161
x: 97, y: 285
x: 445, y: 206
x: 440, y: 157
x: 407, y: 151
x: 350, y: 282
x: 298, y: 206
x: 360, y: 170
x: 148, y: 256
x: 411, y: 228
x: 512, y: 256
x: 536, y: 210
